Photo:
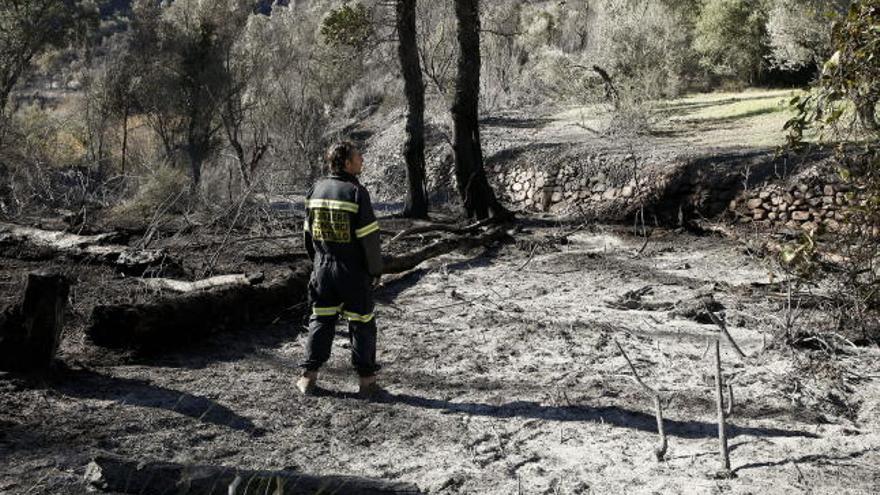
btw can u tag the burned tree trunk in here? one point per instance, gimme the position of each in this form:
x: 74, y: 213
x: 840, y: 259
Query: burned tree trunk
x: 115, y: 474
x: 31, y: 330
x: 414, y: 87
x: 477, y: 196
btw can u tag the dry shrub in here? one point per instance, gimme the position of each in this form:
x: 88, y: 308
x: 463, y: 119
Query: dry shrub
x: 160, y: 191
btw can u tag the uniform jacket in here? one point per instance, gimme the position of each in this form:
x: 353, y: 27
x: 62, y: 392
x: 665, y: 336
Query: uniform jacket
x: 341, y: 226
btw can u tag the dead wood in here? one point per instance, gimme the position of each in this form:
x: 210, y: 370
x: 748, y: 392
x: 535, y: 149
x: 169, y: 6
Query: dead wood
x: 31, y: 330
x: 408, y: 261
x: 723, y: 450
x: 91, y: 248
x: 440, y: 227
x: 203, y: 284
x: 179, y: 319
x: 660, y: 449
x: 723, y: 327
x: 116, y: 474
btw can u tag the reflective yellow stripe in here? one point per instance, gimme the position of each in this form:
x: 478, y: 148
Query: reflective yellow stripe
x: 332, y: 204
x: 330, y: 311
x: 358, y: 318
x: 306, y: 225
x: 365, y: 231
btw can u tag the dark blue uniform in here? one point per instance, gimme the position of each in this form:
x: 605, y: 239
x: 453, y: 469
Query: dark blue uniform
x: 342, y: 238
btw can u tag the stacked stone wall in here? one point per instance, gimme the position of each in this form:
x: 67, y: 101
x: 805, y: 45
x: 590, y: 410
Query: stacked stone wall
x: 808, y: 202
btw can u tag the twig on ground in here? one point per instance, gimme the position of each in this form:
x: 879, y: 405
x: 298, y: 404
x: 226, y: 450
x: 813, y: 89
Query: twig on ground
x: 659, y: 450
x: 529, y: 259
x: 723, y: 327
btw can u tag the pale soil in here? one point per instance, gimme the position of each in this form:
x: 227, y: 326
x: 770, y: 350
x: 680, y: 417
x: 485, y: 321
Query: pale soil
x: 503, y: 378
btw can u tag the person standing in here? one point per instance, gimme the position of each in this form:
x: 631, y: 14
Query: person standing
x: 342, y: 239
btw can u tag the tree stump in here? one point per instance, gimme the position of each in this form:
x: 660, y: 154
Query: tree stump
x: 31, y: 330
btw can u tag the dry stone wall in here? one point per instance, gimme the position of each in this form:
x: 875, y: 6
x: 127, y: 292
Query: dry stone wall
x: 813, y: 200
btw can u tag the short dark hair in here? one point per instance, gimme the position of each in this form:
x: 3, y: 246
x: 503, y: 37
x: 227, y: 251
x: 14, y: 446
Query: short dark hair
x: 338, y: 154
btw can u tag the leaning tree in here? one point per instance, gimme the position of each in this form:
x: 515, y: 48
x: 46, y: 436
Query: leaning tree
x: 476, y: 194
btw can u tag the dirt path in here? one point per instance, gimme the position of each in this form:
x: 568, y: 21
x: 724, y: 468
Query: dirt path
x: 504, y: 378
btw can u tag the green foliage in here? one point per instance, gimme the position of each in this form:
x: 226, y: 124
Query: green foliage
x: 731, y: 38
x: 849, y: 88
x: 350, y: 25
x: 800, y: 31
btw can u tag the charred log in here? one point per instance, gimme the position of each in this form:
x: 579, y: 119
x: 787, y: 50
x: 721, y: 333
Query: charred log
x: 186, y: 318
x: 87, y: 248
x: 116, y: 474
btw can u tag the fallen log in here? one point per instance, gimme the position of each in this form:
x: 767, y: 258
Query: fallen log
x: 440, y: 227
x: 88, y: 248
x: 408, y: 261
x: 31, y: 330
x: 188, y: 317
x: 115, y: 474
x: 184, y: 286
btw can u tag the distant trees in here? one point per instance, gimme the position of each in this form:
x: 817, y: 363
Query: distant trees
x: 28, y: 27
x: 731, y: 38
x: 800, y: 31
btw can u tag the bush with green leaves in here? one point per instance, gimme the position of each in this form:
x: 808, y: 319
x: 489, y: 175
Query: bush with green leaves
x: 844, y: 96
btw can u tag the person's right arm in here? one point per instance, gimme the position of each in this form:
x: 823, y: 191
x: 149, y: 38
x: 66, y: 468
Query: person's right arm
x: 367, y: 232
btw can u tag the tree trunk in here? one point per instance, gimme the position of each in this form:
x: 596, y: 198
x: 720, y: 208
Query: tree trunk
x: 195, y: 164
x: 867, y: 110
x: 477, y: 196
x: 414, y: 87
x: 124, y: 136
x: 31, y: 330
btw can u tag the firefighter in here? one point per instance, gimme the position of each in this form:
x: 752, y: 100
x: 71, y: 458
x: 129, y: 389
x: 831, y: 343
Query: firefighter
x: 342, y: 239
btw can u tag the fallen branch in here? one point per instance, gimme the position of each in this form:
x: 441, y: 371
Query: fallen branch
x: 90, y: 249
x: 408, y: 261
x: 116, y: 474
x: 204, y: 284
x: 439, y: 227
x: 723, y: 327
x: 659, y: 450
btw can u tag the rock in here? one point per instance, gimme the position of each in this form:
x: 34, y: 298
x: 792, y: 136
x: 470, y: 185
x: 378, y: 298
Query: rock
x: 775, y: 200
x: 832, y: 225
x: 772, y: 216
x: 810, y: 227
x: 517, y: 187
x: 828, y: 190
x: 814, y: 201
x: 557, y: 197
x: 800, y: 216
x: 610, y: 194
x: 599, y: 187
x: 754, y: 203
x: 798, y: 202
x: 759, y: 214
x: 627, y: 192
x: 764, y: 194
x: 828, y: 200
